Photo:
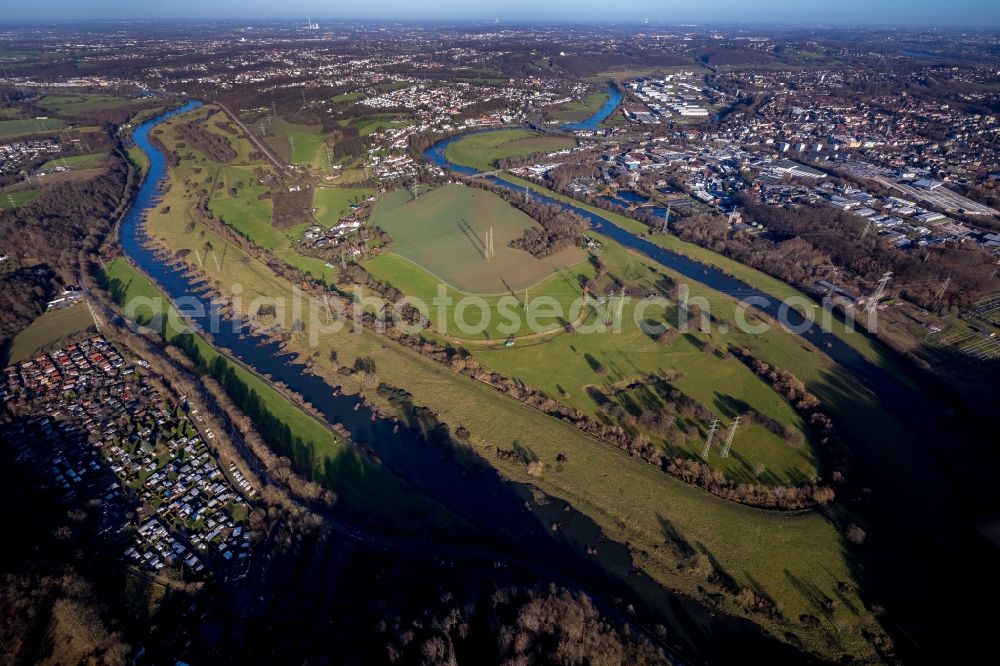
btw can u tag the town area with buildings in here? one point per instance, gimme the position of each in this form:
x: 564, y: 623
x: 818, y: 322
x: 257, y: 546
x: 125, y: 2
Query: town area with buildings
x: 102, y: 431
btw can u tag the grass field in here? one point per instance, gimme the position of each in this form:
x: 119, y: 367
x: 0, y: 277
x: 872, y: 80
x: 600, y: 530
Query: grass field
x: 634, y: 73
x: 76, y: 162
x: 10, y: 128
x: 443, y: 231
x: 360, y: 482
x: 576, y: 111
x: 348, y: 97
x: 782, y: 555
x: 771, y: 285
x: 771, y: 552
x: 299, y: 144
x: 562, y: 287
x: 878, y: 440
x: 139, y: 159
x: 50, y: 327
x: 246, y: 211
x: 17, y: 198
x: 370, y: 124
x: 331, y: 204
x: 69, y: 105
x: 481, y: 151
x: 616, y: 360
x: 629, y: 354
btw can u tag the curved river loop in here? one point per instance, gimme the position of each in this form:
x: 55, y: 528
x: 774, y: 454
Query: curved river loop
x: 514, y: 520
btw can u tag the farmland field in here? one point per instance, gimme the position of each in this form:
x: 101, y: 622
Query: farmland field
x: 443, y: 231
x: 348, y: 97
x: 562, y: 287
x: 480, y: 151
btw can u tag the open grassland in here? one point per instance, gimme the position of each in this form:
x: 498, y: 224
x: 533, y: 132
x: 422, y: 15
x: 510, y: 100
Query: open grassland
x: 443, y: 231
x: 69, y: 105
x: 332, y: 204
x: 361, y: 483
x: 789, y: 557
x: 12, y: 128
x: 76, y: 162
x: 617, y: 359
x: 248, y: 210
x: 49, y: 328
x: 506, y: 313
x: 481, y: 151
x: 612, y: 361
x: 68, y: 176
x: 578, y: 110
x: 880, y: 442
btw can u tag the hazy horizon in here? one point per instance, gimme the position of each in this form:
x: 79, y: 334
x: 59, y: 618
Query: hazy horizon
x: 922, y: 13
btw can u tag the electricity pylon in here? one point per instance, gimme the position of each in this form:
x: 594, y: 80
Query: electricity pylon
x: 613, y: 312
x: 712, y: 427
x: 729, y: 438
x: 879, y: 292
x: 944, y: 288
x: 488, y: 250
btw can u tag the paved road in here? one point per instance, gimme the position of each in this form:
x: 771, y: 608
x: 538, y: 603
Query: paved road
x: 278, y: 164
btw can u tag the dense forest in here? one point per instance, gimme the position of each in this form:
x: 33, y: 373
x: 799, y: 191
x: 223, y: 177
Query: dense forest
x: 806, y: 237
x: 291, y: 207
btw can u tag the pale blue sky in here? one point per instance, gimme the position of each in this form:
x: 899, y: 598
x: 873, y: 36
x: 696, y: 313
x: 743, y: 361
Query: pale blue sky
x: 851, y: 12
